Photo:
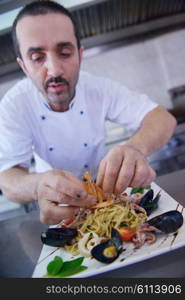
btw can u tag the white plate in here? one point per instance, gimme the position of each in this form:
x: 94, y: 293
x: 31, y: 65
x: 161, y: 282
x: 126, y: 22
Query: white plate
x: 164, y: 243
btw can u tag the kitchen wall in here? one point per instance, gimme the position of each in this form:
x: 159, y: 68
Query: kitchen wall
x: 152, y: 66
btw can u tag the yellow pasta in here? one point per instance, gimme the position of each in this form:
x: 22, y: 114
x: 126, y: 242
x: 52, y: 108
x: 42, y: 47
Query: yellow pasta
x: 102, y: 220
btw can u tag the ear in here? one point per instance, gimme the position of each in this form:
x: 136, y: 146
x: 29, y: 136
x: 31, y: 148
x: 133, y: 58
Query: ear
x: 22, y: 65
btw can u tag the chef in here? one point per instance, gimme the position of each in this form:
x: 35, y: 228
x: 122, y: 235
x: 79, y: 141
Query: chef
x: 57, y: 114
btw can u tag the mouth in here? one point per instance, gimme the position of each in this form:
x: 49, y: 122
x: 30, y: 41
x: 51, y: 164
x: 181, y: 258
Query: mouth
x: 57, y: 87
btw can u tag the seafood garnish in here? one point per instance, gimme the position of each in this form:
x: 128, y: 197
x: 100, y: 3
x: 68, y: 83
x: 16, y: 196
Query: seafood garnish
x: 149, y: 202
x: 108, y: 251
x: 167, y: 222
x: 87, y: 242
x: 145, y: 233
x: 58, y: 237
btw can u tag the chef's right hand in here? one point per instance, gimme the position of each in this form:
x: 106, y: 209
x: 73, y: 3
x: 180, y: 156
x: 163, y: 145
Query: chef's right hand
x: 61, y: 187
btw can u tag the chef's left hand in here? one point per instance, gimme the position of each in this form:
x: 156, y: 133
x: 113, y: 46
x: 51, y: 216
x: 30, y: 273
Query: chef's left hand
x: 124, y: 166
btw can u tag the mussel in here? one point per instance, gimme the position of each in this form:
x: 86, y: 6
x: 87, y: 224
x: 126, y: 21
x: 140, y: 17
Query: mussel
x: 167, y: 222
x: 108, y: 251
x: 149, y: 202
x: 58, y: 237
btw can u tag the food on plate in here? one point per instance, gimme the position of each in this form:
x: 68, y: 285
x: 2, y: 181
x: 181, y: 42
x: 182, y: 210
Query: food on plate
x: 59, y: 268
x: 140, y: 190
x: 127, y: 233
x: 95, y: 225
x: 149, y: 202
x: 109, y: 250
x: 103, y: 230
x: 167, y: 222
x: 58, y: 237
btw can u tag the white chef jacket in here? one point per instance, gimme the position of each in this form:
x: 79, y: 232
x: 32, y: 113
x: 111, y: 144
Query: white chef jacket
x: 72, y: 140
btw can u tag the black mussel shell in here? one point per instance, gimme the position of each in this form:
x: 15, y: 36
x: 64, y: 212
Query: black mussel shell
x: 58, y: 237
x: 146, y: 198
x: 167, y: 222
x: 148, y: 202
x: 117, y: 240
x: 105, y: 252
x: 108, y: 251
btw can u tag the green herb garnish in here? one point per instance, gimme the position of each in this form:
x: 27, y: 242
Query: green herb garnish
x: 54, y: 266
x: 140, y: 189
x: 58, y: 268
x: 69, y: 269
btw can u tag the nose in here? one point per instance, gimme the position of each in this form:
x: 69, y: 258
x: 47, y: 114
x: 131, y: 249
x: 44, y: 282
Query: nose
x: 54, y: 66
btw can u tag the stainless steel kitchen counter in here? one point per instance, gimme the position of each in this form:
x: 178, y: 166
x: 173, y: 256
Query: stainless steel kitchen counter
x: 20, y: 243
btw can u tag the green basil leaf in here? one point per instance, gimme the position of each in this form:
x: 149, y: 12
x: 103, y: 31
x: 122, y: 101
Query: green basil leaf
x: 140, y: 189
x: 69, y: 272
x: 55, y: 266
x: 58, y: 268
x: 71, y: 267
x: 71, y: 264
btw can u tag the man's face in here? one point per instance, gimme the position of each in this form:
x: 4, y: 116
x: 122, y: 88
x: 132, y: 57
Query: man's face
x: 50, y: 56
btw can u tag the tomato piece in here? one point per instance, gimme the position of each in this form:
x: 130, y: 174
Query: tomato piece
x: 126, y: 233
x: 67, y: 222
x: 124, y: 194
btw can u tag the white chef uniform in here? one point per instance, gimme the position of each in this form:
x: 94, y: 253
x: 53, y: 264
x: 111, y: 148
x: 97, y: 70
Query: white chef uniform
x: 71, y: 140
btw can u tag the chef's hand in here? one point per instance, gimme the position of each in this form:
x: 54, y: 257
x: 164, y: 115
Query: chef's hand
x: 124, y: 166
x: 61, y: 187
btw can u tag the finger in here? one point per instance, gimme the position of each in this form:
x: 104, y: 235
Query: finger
x: 72, y: 178
x: 85, y: 202
x: 111, y: 175
x: 75, y: 189
x: 152, y: 174
x: 151, y: 177
x: 101, y: 173
x: 57, y: 197
x: 125, y: 175
x: 142, y: 174
x: 51, y: 213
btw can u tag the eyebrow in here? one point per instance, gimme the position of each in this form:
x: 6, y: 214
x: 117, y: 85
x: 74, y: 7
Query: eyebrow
x: 59, y: 45
x: 65, y: 44
x: 34, y: 49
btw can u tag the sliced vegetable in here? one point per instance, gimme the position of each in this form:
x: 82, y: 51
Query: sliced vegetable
x: 58, y: 268
x: 67, y: 222
x: 140, y: 189
x: 126, y: 233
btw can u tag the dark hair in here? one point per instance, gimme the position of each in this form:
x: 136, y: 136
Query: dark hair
x: 41, y: 7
